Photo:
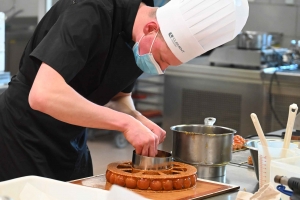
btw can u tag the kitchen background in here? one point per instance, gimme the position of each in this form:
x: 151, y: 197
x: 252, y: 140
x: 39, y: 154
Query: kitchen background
x: 154, y: 95
x: 281, y: 16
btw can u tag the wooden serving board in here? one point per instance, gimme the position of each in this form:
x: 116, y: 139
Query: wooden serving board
x: 202, y: 190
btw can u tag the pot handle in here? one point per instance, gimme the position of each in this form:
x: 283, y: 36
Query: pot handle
x: 209, y: 121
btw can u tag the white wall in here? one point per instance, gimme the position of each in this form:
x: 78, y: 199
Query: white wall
x: 29, y: 7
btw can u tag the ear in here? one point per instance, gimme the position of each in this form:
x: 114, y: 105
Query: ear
x: 151, y: 27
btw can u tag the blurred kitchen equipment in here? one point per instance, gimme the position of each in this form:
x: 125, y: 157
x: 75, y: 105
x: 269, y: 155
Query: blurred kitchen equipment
x: 4, y: 76
x: 206, y: 147
x: 5, y: 198
x: 254, y: 40
x: 247, y: 58
x: 297, y: 122
x: 276, y: 39
x: 162, y: 160
x: 290, y: 126
x: 253, y: 49
x: 295, y: 51
x: 12, y: 16
x: 2, y: 41
x: 296, y: 133
x: 293, y: 183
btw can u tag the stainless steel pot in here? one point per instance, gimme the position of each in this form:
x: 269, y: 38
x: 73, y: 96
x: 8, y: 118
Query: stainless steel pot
x: 254, y: 40
x: 207, y: 147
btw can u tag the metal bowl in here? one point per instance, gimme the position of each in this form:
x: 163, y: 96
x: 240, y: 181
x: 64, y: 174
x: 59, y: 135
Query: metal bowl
x: 163, y: 160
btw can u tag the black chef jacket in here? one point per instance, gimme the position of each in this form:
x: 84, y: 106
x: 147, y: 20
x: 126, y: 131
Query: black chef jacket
x: 85, y: 42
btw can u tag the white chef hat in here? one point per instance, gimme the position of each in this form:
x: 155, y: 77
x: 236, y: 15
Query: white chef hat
x: 192, y: 27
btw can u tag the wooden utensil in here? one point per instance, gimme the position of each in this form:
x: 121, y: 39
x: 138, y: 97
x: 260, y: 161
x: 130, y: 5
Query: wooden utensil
x: 290, y: 125
x: 260, y: 133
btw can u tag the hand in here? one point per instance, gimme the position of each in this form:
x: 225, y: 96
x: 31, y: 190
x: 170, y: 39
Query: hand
x: 142, y: 138
x: 161, y: 134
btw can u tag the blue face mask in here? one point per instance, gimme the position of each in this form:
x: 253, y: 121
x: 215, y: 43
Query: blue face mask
x: 146, y: 62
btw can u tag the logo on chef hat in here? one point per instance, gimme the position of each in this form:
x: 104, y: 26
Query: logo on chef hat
x: 192, y: 27
x: 176, y: 44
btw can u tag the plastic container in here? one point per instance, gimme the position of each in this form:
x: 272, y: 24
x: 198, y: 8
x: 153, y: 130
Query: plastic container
x: 37, y: 188
x: 275, y: 152
x: 289, y: 167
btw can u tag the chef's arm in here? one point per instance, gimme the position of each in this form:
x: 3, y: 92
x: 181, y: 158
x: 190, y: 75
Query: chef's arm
x: 123, y: 102
x: 51, y: 95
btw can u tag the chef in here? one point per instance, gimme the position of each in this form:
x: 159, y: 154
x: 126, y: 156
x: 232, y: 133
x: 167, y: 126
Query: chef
x: 79, y: 68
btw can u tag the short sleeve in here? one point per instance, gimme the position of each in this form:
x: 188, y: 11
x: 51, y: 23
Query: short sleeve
x: 129, y: 88
x: 148, y: 2
x: 67, y: 45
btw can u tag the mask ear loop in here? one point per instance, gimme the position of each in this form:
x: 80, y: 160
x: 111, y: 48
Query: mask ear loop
x: 141, y: 38
x: 139, y: 43
x: 153, y: 42
x: 152, y: 58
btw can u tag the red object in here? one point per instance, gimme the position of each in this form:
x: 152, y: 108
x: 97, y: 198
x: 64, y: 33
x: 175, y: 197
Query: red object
x: 139, y: 96
x: 151, y: 113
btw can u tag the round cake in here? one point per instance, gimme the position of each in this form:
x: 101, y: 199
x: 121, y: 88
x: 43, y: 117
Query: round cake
x: 179, y: 177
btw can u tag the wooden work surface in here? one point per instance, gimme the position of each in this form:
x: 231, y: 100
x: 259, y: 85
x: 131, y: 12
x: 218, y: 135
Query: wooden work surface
x: 202, y: 190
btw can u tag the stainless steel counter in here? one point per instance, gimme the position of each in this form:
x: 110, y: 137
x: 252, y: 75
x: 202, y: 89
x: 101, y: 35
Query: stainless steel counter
x: 240, y: 176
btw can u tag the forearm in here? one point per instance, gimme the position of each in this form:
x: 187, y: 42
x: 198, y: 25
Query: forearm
x: 65, y: 104
x: 123, y: 102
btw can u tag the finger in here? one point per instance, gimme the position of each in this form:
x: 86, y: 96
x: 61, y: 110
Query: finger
x: 138, y: 150
x: 145, y: 150
x: 162, y: 138
x: 153, y: 149
x: 162, y: 135
x: 156, y: 142
x: 157, y: 139
x: 159, y: 136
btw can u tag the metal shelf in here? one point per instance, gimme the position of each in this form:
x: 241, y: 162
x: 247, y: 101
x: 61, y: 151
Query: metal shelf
x: 148, y: 95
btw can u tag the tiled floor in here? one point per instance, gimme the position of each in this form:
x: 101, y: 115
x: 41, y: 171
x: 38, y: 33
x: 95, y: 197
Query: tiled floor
x: 104, y: 151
